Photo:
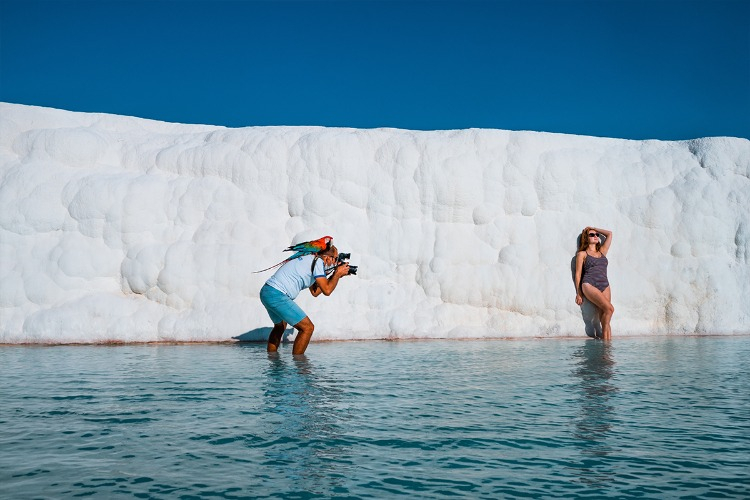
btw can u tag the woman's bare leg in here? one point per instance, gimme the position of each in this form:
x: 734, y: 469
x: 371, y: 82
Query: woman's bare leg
x: 603, y: 302
x: 608, y: 294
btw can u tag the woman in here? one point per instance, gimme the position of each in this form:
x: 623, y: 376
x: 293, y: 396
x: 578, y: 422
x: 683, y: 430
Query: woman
x: 591, y: 275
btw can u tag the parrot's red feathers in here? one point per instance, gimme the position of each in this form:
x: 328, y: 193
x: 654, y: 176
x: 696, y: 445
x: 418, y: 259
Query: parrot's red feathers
x: 306, y: 248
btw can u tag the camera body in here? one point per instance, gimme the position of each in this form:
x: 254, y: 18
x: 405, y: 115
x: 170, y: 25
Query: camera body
x: 342, y: 259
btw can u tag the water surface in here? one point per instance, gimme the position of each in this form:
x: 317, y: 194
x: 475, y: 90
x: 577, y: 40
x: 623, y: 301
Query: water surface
x: 650, y: 417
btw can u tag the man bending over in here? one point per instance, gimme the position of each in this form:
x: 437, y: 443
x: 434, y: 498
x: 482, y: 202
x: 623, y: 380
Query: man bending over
x: 279, y: 292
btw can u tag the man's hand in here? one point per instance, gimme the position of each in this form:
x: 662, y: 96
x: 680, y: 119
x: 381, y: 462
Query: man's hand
x: 327, y: 285
x: 342, y: 270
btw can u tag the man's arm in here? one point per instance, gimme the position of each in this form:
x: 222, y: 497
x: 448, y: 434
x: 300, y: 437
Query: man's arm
x: 327, y: 285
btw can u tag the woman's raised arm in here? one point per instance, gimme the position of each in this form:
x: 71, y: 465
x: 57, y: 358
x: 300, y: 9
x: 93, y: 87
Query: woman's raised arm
x: 607, y: 241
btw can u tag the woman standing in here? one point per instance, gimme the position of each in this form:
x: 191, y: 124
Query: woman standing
x: 591, y: 275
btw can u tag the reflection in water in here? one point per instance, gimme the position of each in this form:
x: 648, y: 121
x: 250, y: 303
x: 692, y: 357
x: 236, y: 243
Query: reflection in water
x: 594, y: 367
x: 303, y: 409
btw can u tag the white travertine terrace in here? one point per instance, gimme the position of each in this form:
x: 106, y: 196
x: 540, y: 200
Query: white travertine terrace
x: 122, y: 229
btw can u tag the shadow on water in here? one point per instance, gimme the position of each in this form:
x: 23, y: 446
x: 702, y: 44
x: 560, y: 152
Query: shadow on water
x: 594, y: 368
x: 261, y: 335
x: 589, y: 313
x: 305, y: 415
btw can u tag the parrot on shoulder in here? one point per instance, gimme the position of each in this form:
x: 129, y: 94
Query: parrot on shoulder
x: 305, y: 248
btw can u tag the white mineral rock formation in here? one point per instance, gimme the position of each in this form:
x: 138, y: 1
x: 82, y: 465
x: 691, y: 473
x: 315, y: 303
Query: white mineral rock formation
x: 122, y: 229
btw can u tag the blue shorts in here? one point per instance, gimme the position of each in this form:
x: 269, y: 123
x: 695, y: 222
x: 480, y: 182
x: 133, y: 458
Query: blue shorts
x: 280, y: 307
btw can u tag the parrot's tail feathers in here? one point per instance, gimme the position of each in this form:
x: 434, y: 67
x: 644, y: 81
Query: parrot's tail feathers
x: 272, y: 267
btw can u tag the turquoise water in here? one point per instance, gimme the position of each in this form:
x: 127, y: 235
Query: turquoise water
x: 651, y: 417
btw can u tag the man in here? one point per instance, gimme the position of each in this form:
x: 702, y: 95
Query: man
x: 279, y: 292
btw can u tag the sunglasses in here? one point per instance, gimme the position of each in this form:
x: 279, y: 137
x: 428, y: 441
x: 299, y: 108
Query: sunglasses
x: 592, y: 234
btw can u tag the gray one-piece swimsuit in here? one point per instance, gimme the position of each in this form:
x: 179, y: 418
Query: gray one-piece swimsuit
x: 595, y: 272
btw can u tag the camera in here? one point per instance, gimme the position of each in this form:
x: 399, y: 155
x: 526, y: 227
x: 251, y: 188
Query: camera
x: 342, y: 258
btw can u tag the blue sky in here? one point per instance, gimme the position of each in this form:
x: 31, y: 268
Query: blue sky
x: 656, y: 69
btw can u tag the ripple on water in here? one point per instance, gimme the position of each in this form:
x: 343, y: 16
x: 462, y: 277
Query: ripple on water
x: 633, y: 418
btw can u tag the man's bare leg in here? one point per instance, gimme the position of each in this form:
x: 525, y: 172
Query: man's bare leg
x: 305, y: 330
x: 274, y: 339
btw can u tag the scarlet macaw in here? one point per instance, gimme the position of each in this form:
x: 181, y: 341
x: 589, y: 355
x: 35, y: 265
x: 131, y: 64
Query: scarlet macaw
x: 305, y: 248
